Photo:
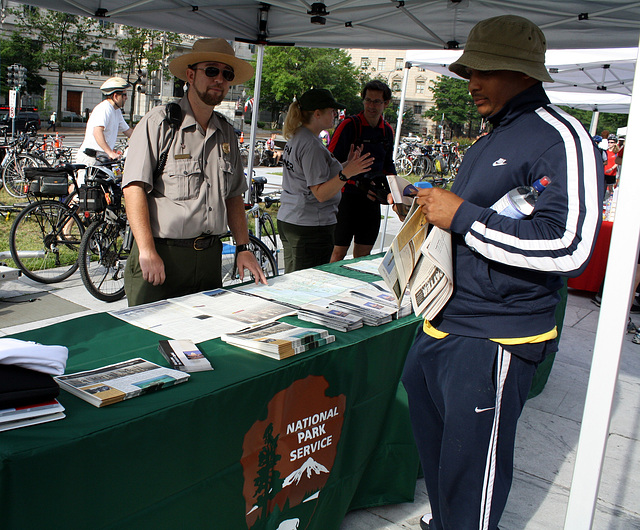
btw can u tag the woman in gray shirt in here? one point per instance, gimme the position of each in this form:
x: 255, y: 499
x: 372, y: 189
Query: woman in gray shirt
x: 311, y: 181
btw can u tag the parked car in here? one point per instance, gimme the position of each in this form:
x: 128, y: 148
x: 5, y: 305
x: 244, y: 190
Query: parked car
x: 26, y: 120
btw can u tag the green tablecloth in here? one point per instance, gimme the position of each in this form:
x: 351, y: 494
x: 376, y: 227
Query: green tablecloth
x: 217, y: 451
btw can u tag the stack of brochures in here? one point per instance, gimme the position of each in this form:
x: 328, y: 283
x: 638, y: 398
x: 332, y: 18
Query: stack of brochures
x: 330, y: 317
x: 385, y: 297
x: 14, y: 418
x: 117, y: 382
x: 278, y: 340
x: 372, y: 313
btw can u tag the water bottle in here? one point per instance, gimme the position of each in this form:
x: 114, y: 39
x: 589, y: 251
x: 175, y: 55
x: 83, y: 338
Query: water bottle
x: 520, y: 202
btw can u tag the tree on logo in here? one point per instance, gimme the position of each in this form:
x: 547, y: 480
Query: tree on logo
x: 268, y: 482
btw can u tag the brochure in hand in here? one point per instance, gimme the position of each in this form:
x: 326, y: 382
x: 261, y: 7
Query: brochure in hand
x: 420, y: 258
x: 117, y: 382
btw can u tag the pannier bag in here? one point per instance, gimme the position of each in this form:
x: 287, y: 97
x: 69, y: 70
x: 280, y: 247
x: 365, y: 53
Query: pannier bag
x: 47, y: 181
x: 91, y: 198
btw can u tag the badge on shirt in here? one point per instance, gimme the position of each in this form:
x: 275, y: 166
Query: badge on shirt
x: 182, y: 157
x: 225, y: 148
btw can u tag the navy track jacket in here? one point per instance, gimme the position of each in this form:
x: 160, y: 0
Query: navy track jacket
x: 508, y: 272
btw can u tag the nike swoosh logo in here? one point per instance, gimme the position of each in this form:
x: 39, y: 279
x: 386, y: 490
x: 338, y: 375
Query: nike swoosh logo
x: 500, y: 162
x: 479, y: 410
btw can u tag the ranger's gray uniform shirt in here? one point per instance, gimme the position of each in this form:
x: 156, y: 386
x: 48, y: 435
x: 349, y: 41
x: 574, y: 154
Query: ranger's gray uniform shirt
x: 203, y: 169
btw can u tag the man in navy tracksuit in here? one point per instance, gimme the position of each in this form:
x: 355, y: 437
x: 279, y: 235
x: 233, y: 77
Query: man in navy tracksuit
x: 470, y: 369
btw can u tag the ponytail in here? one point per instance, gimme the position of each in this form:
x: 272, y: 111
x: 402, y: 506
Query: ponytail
x: 295, y: 119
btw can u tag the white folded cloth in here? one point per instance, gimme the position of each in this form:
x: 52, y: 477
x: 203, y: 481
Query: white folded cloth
x: 48, y: 359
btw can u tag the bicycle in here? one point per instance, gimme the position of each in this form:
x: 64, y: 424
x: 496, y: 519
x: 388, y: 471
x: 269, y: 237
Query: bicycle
x: 14, y: 163
x: 230, y: 274
x: 45, y: 237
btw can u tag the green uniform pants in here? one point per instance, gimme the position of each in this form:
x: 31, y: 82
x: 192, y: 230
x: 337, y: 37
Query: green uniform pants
x: 305, y: 246
x: 187, y: 271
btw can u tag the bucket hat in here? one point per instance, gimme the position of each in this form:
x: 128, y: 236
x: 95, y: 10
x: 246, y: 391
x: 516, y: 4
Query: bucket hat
x: 319, y: 98
x: 507, y: 42
x: 217, y: 50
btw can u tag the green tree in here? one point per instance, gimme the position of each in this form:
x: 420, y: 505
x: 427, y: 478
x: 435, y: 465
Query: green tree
x: 607, y: 121
x: 452, y: 99
x: 268, y: 482
x: 291, y: 71
x: 68, y: 42
x: 143, y: 49
x: 18, y: 49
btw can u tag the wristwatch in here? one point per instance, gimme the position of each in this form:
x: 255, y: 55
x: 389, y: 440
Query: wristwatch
x: 242, y: 248
x: 342, y: 176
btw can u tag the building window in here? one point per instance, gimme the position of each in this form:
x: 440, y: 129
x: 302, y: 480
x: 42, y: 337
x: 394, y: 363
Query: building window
x: 419, y: 87
x: 364, y: 62
x: 395, y: 85
x: 417, y: 110
x: 381, y: 62
x: 399, y: 63
x: 110, y: 62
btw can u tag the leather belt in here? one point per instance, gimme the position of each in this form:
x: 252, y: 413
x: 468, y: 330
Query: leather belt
x: 202, y: 242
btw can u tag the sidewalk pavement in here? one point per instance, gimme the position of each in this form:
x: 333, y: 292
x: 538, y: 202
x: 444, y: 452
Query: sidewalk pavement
x: 547, y: 435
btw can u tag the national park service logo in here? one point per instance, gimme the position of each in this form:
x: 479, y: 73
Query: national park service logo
x: 288, y: 456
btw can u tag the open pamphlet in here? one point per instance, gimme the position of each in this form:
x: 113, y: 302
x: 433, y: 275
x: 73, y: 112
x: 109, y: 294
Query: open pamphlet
x: 420, y: 258
x: 117, y: 382
x: 184, y: 355
x: 278, y: 339
x: 14, y: 418
x: 402, y: 192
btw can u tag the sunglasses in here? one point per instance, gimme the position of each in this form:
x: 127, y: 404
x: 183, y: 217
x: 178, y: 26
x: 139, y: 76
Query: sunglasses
x: 214, y: 71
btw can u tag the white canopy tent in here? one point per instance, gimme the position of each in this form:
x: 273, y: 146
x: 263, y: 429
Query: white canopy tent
x: 441, y: 24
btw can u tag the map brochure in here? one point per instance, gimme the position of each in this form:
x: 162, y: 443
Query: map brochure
x: 117, y: 382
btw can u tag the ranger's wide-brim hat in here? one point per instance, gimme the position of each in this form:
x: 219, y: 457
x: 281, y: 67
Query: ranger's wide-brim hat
x: 507, y: 42
x: 212, y: 50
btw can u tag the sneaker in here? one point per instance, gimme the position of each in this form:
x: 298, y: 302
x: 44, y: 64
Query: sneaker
x: 424, y: 522
x: 597, y: 300
x: 636, y: 338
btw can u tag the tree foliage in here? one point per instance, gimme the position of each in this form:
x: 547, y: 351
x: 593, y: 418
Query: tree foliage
x: 138, y: 48
x: 608, y: 121
x: 68, y: 42
x: 452, y: 99
x: 290, y: 71
x: 18, y: 49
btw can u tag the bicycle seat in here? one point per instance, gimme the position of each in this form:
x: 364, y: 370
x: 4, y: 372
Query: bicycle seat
x: 260, y: 180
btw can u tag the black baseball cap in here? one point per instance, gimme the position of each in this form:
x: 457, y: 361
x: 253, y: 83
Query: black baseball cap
x: 319, y: 98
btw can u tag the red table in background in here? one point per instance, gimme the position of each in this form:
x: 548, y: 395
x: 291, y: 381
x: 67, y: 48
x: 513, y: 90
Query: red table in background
x: 593, y: 276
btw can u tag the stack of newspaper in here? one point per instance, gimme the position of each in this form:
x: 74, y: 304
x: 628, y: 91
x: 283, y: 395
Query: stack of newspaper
x: 373, y: 313
x: 330, y: 317
x: 420, y: 258
x: 278, y: 340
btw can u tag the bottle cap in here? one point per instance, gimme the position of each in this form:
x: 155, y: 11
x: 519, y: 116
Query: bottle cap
x: 541, y: 183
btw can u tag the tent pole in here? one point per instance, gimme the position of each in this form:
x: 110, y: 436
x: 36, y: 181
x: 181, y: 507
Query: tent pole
x: 612, y: 323
x: 254, y: 118
x: 396, y: 144
x: 594, y: 122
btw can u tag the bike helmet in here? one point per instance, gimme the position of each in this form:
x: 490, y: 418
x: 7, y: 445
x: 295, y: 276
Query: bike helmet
x: 114, y: 84
x: 612, y: 137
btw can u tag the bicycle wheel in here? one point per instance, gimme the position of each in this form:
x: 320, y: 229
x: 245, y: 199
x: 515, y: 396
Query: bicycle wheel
x: 263, y: 255
x: 267, y: 234
x: 404, y: 166
x: 419, y: 166
x: 102, y: 260
x: 13, y: 173
x: 45, y: 240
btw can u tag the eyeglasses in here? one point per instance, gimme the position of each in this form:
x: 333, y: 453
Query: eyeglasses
x: 214, y: 71
x: 373, y: 101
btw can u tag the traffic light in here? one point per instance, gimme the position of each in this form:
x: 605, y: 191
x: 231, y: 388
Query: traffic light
x: 156, y: 82
x: 142, y: 81
x: 16, y: 75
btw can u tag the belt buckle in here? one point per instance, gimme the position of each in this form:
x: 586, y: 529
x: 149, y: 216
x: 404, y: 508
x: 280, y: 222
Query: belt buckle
x: 195, y: 242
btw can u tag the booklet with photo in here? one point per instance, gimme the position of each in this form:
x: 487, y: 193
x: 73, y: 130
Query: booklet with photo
x: 117, y: 382
x: 402, y: 192
x: 184, y: 355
